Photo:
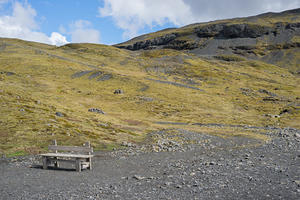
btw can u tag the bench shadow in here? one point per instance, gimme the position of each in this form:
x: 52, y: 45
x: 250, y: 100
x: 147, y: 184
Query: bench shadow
x: 52, y: 168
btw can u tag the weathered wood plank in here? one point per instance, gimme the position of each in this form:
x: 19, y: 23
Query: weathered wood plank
x: 78, y: 165
x: 89, y: 160
x: 66, y: 155
x: 53, y: 160
x: 56, y: 164
x: 45, y: 163
x: 55, y: 144
x: 82, y: 149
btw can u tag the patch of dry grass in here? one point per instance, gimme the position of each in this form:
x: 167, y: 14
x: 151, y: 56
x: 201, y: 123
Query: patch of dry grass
x: 43, y: 85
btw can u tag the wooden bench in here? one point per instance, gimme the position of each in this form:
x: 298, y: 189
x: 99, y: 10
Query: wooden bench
x: 80, y: 156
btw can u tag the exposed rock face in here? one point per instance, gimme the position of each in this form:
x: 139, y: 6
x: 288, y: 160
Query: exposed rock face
x: 243, y: 31
x: 210, y: 30
x: 216, y: 31
x: 147, y: 44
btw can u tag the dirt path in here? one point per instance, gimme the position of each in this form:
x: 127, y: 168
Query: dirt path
x: 219, y: 170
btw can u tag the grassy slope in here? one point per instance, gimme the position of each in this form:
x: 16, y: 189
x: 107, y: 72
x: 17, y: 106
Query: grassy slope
x: 43, y: 85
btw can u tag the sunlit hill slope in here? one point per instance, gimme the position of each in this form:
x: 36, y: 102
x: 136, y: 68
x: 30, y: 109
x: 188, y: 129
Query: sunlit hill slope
x: 49, y: 92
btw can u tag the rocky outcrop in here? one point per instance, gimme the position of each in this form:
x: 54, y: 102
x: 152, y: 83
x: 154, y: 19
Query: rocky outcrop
x: 229, y: 31
x: 281, y: 32
x: 181, y: 45
x: 148, y: 44
x: 209, y: 30
x: 244, y: 31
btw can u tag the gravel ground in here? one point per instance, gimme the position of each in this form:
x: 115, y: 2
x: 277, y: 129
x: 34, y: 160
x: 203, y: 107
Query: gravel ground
x: 179, y: 164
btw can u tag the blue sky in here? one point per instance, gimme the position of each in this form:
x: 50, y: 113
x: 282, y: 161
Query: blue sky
x: 113, y: 21
x: 54, y: 14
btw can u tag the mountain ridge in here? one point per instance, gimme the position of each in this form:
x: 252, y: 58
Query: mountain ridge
x: 258, y: 37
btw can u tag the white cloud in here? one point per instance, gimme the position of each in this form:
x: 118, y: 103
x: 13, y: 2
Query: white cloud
x: 58, y: 39
x: 134, y: 15
x: 204, y: 10
x: 21, y: 24
x: 81, y: 32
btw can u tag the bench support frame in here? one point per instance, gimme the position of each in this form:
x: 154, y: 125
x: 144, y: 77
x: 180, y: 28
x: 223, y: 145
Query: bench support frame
x: 81, y: 161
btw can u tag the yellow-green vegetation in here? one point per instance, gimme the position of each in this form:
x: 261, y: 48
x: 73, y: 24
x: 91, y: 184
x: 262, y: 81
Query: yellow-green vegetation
x: 296, y: 39
x: 37, y: 80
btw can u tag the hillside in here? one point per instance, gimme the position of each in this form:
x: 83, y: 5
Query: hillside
x: 235, y: 72
x: 271, y: 37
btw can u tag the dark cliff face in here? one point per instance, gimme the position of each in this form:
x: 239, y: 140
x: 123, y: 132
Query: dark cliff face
x: 147, y: 44
x: 244, y: 31
x: 216, y: 31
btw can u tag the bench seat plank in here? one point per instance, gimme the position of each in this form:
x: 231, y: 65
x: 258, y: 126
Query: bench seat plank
x: 66, y: 155
x: 70, y: 148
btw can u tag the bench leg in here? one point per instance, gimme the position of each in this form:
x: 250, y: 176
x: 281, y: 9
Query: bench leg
x: 90, y: 163
x: 56, y: 164
x: 78, y: 165
x: 45, y: 163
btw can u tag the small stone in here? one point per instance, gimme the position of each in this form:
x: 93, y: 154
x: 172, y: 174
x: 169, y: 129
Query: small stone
x: 149, y: 99
x: 168, y: 183
x: 10, y: 73
x: 178, y: 186
x: 103, y: 125
x: 137, y: 177
x: 297, y: 135
x: 118, y: 91
x: 21, y: 110
x: 59, y: 114
x: 96, y: 110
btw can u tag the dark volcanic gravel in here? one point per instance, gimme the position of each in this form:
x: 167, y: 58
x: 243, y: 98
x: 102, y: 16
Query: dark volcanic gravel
x: 209, y: 167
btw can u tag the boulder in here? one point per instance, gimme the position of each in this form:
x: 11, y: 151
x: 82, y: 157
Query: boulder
x: 96, y: 110
x: 118, y: 91
x: 59, y: 114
